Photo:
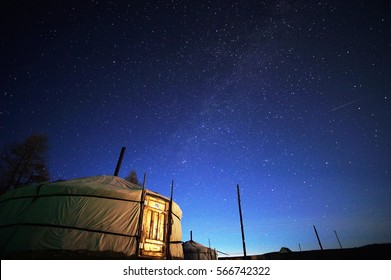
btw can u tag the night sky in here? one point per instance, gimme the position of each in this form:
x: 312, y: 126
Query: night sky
x: 289, y: 99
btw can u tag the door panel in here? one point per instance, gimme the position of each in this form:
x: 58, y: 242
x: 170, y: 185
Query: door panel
x: 154, y: 228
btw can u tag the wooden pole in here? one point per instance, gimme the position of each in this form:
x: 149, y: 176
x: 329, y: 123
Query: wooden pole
x: 119, y: 162
x: 191, y: 235
x: 144, y: 180
x: 141, y: 215
x: 339, y: 242
x: 209, y: 250
x: 317, y: 236
x: 169, y: 224
x: 241, y: 224
x: 299, y: 247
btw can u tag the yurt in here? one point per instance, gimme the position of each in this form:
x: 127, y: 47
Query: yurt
x: 91, y: 217
x: 196, y: 251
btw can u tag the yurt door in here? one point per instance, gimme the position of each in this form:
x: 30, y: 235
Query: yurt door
x: 153, y: 231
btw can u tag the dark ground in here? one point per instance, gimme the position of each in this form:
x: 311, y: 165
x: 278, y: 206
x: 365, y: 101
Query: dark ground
x: 368, y: 252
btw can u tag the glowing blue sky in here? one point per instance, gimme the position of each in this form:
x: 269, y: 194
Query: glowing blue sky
x: 290, y: 100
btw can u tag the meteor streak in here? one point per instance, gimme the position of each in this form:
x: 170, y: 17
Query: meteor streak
x: 344, y: 105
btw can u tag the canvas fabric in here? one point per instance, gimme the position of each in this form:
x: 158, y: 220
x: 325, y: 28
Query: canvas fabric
x: 99, y: 213
x: 196, y: 251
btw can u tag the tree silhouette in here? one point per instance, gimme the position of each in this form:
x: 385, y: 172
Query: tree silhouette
x: 23, y: 163
x: 132, y: 177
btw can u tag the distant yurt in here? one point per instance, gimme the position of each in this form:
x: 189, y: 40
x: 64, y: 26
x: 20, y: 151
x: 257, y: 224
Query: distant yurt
x: 91, y: 217
x: 196, y: 251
